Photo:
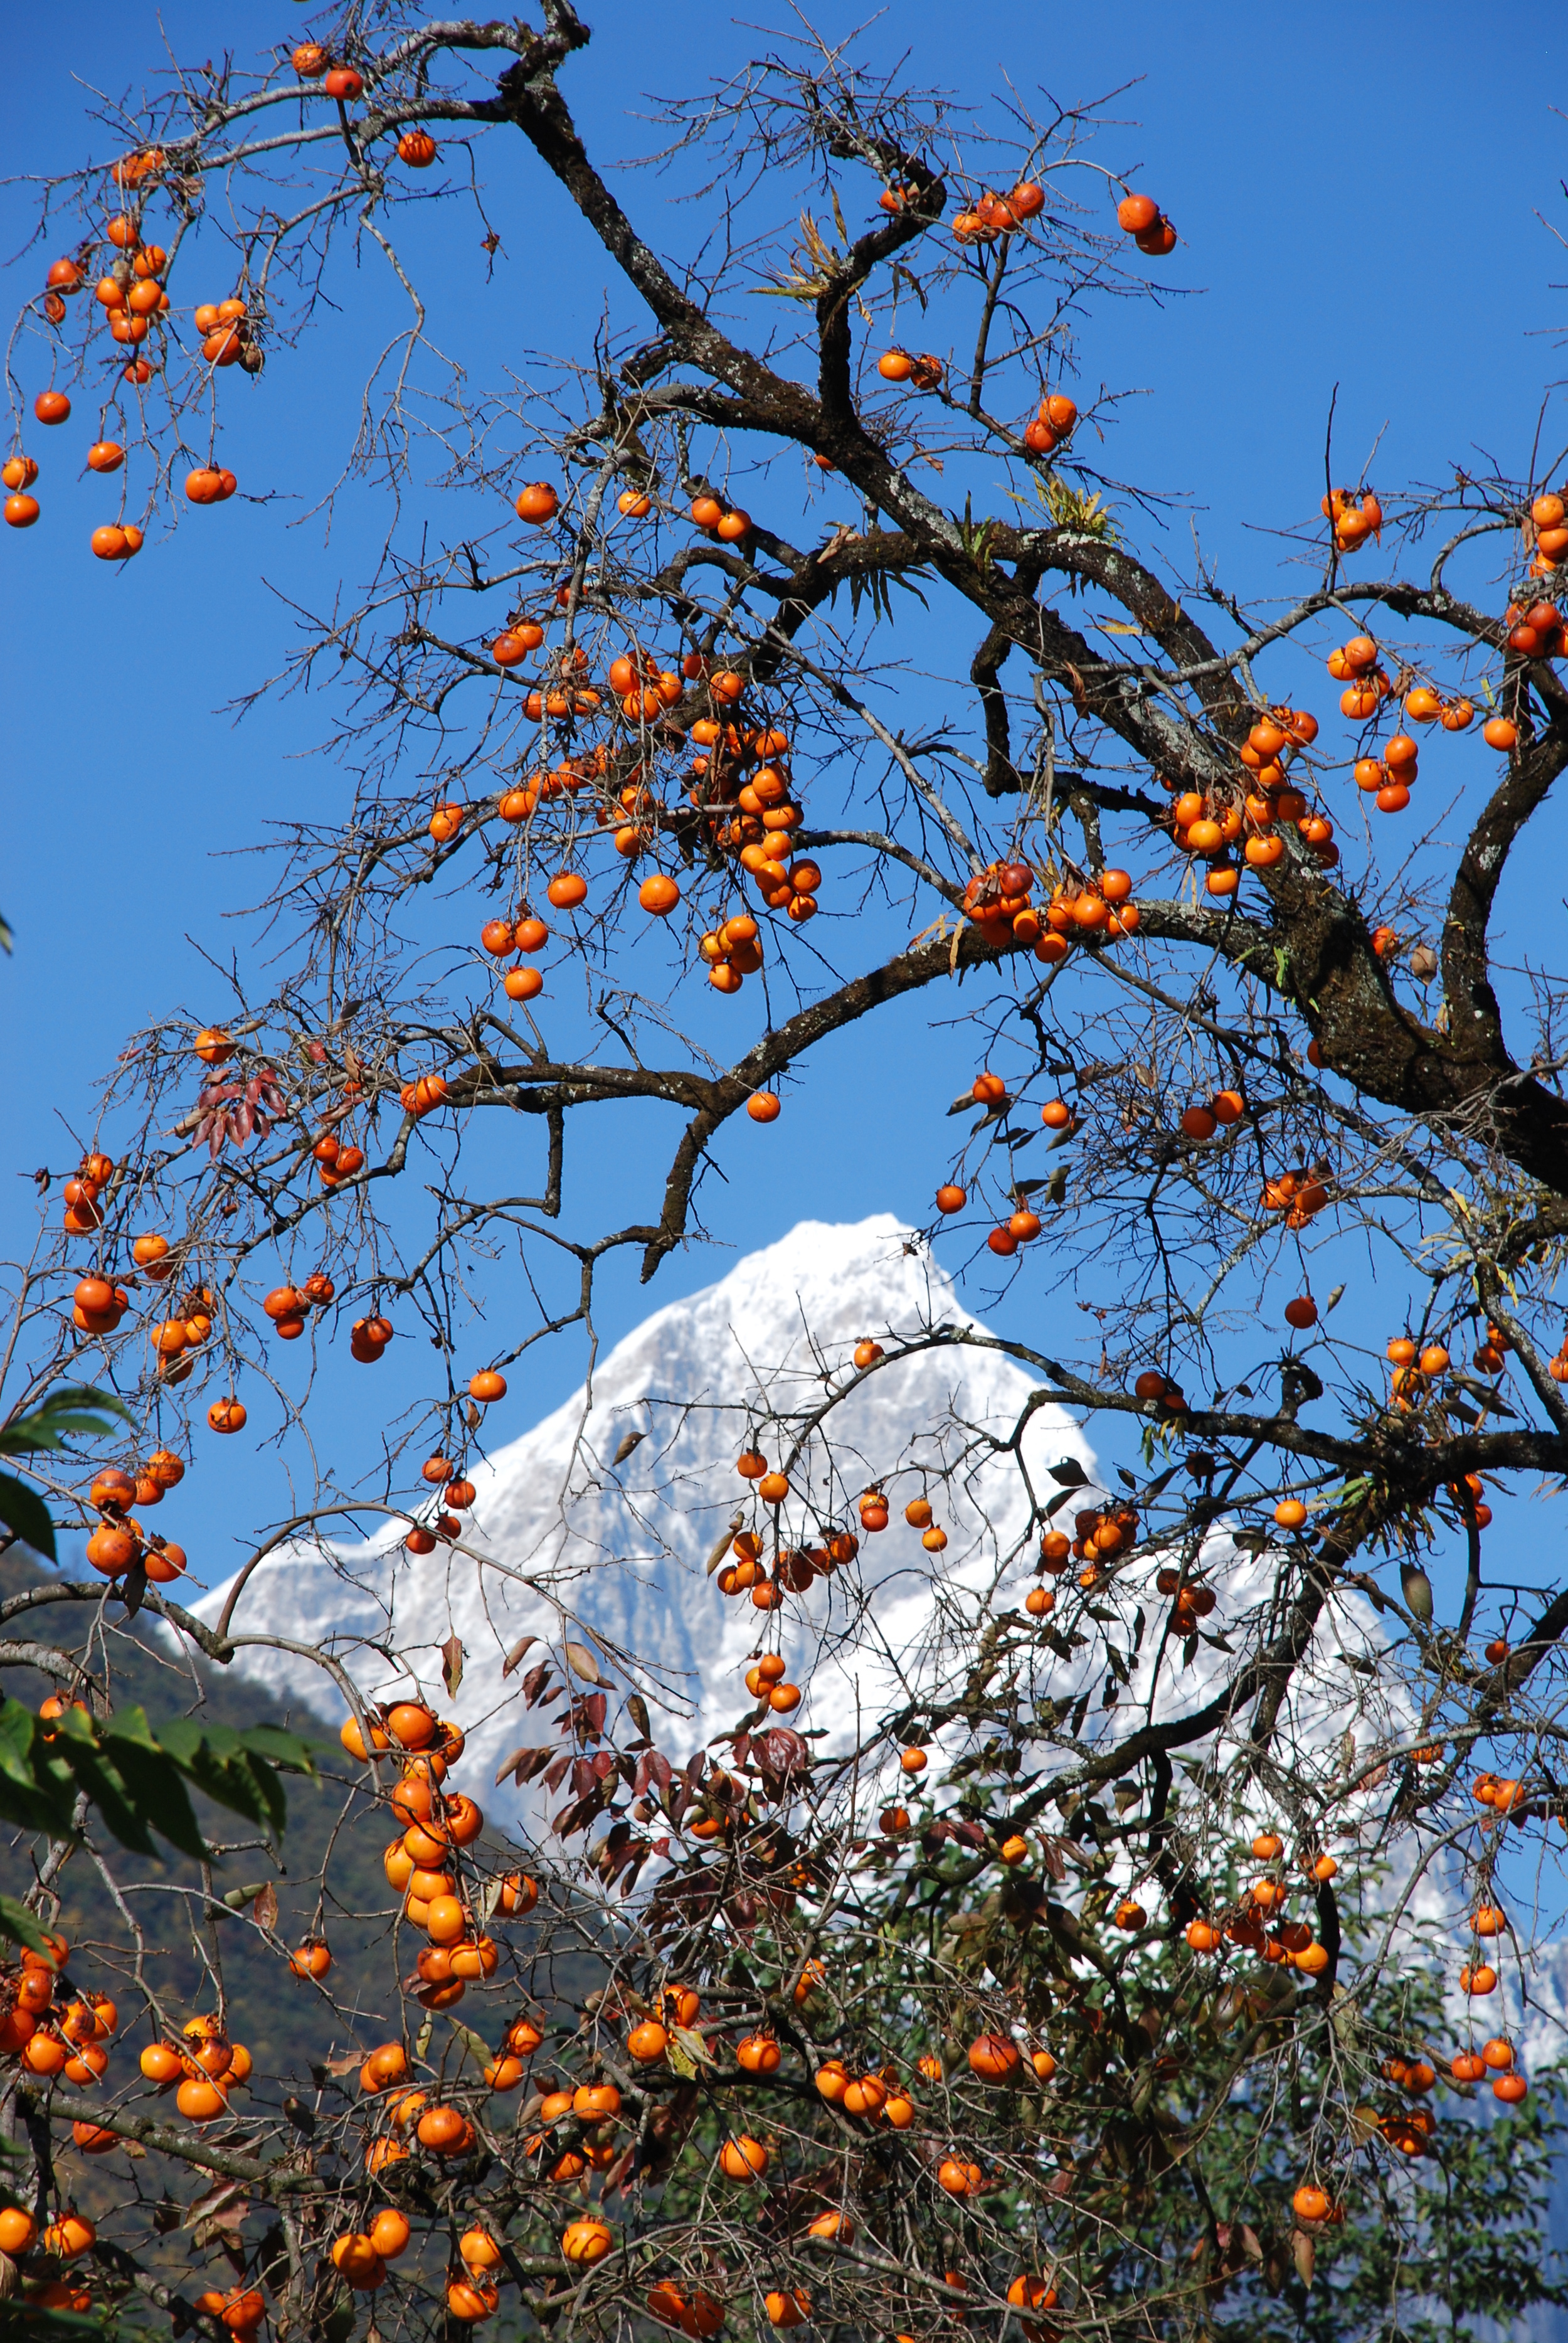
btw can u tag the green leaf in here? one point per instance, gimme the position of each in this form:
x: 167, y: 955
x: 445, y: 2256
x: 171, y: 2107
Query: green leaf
x: 268, y: 1788
x: 36, y: 1789
x: 131, y: 1724
x: 25, y: 1513
x: 233, y: 1785
x: 71, y: 1408
x: 22, y: 1926
x: 16, y: 1726
x: 112, y: 1795
x: 278, y: 1748
x: 239, y: 1770
x: 136, y: 1775
x: 185, y: 1738
x: 213, y: 1759
x: 151, y: 1782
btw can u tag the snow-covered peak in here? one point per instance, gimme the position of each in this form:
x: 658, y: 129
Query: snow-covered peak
x: 572, y: 1541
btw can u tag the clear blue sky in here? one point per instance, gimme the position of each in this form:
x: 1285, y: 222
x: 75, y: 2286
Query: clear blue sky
x: 1357, y: 201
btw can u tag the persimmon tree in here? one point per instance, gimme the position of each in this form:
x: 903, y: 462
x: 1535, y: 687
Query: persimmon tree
x: 1195, y: 1864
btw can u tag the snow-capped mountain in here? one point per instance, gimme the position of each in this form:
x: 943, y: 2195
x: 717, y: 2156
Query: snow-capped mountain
x: 566, y: 1542
x: 575, y: 1540
x: 572, y: 1538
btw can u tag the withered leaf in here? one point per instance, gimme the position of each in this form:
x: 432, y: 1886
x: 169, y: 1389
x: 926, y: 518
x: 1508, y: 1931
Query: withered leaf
x: 694, y: 2044
x: 581, y: 1662
x: 475, y: 2044
x: 452, y: 1664
x: 218, y: 2229
x: 264, y: 1911
x: 627, y: 1441
x: 515, y: 1655
x: 688, y: 2053
x: 224, y: 2204
x: 721, y: 1545
x: 1051, y: 1855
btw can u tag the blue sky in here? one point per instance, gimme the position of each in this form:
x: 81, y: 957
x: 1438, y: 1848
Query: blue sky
x: 1356, y: 211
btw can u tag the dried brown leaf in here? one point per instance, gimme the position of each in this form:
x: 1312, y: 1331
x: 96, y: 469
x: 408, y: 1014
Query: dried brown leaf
x: 721, y: 1545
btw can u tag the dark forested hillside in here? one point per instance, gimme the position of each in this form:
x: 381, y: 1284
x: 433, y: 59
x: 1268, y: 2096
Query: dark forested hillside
x: 284, y: 2020
x: 298, y: 2031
